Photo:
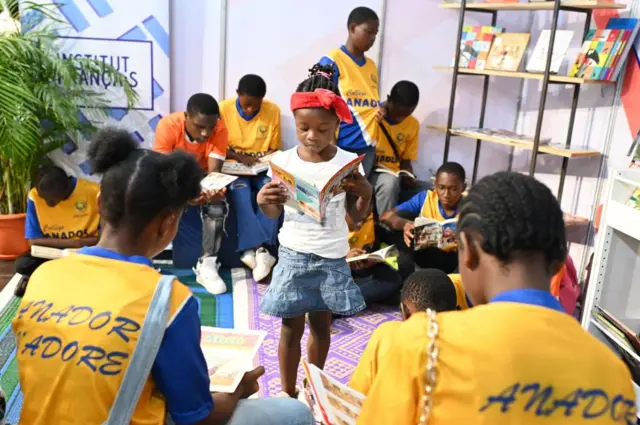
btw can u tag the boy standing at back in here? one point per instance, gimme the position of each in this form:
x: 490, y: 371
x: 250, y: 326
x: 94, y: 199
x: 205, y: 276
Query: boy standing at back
x: 397, y: 147
x: 357, y: 79
x: 200, y: 132
x: 254, y: 131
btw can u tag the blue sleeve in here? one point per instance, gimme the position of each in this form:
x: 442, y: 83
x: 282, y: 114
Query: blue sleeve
x: 414, y: 205
x: 32, y: 228
x: 325, y: 60
x: 180, y: 370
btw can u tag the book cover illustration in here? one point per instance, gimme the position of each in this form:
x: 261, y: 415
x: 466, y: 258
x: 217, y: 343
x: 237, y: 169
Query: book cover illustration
x: 308, y: 199
x: 538, y: 58
x: 634, y: 199
x: 592, y: 55
x: 507, y: 51
x: 229, y: 354
x: 630, y: 26
x: 475, y: 44
x: 236, y: 168
x: 338, y: 404
x: 217, y: 181
x: 429, y: 233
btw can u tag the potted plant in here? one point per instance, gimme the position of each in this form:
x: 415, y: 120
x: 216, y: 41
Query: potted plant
x: 39, y: 97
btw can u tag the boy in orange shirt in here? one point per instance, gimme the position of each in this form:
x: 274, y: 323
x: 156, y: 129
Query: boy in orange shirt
x: 200, y: 132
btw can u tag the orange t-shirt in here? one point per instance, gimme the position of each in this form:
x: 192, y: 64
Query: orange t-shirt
x: 171, y: 135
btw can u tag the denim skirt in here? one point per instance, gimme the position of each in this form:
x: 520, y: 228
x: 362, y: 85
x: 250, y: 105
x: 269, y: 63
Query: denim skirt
x: 304, y: 283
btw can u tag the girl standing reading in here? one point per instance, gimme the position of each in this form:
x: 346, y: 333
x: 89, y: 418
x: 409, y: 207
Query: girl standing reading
x: 312, y: 275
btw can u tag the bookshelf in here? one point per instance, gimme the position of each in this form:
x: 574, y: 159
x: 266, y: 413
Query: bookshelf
x: 585, y: 7
x: 614, y: 284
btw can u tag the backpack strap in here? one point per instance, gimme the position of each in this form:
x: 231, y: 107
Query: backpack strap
x: 144, y: 355
x: 391, y: 142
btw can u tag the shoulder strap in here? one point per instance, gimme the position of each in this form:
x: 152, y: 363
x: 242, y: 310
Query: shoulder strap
x: 144, y: 354
x: 390, y: 140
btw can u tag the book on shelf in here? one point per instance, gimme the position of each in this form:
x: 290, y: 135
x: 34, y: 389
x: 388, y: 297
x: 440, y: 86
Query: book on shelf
x: 337, y: 403
x: 217, y: 181
x: 629, y: 27
x: 475, y: 43
x: 430, y: 233
x: 229, y: 354
x: 379, y: 256
x: 49, y: 253
x: 634, y: 199
x: 538, y: 59
x: 236, y: 168
x: 308, y: 199
x: 623, y: 340
x: 400, y: 173
x: 507, y: 135
x: 507, y: 51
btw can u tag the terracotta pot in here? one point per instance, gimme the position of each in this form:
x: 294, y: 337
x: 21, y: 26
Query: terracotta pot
x: 12, y: 241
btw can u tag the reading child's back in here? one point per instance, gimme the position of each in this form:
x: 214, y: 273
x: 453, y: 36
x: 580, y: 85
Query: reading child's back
x: 303, y: 233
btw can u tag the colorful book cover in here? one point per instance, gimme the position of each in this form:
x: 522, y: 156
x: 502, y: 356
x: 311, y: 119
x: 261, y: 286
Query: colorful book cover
x: 605, y: 49
x: 507, y: 51
x: 615, y: 51
x: 308, y: 199
x: 594, y: 53
x: 475, y: 43
x: 622, y: 44
x: 429, y: 233
x: 229, y: 354
x: 583, y: 53
x: 629, y: 24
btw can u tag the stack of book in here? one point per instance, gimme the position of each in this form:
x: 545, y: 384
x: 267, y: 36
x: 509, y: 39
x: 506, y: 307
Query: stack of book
x: 623, y: 340
x: 506, y: 135
x: 604, y: 51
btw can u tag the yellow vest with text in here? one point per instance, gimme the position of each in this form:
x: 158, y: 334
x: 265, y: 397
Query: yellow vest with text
x: 359, y: 88
x: 431, y: 209
x: 502, y: 363
x: 76, y: 217
x: 256, y: 136
x: 405, y: 137
x: 76, y: 329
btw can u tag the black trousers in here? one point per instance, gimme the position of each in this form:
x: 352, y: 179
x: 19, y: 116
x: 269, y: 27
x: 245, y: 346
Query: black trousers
x: 27, y: 264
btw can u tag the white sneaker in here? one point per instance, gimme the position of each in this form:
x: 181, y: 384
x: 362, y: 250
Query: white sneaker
x: 207, y: 275
x: 249, y: 258
x: 264, y: 264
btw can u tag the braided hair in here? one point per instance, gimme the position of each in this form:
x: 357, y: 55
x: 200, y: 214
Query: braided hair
x: 320, y: 77
x: 512, y: 213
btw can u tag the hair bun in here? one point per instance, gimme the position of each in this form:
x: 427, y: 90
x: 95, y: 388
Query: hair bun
x: 109, y: 148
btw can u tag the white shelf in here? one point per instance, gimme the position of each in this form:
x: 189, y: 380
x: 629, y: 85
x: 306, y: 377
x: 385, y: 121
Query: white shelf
x: 624, y: 219
x: 614, y: 339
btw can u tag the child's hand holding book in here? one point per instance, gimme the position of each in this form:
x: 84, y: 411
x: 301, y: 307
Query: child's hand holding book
x: 273, y: 193
x: 358, y: 185
x: 407, y: 230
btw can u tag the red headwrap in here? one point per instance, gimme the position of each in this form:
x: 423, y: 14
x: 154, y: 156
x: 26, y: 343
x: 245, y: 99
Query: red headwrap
x: 322, y: 98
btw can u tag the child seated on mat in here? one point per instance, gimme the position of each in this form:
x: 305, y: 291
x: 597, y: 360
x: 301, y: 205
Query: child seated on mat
x: 62, y: 212
x: 441, y: 203
x: 429, y: 288
x: 312, y: 276
x: 516, y: 357
x: 254, y: 131
x: 378, y: 282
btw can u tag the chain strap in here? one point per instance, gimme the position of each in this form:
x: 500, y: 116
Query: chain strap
x: 431, y: 368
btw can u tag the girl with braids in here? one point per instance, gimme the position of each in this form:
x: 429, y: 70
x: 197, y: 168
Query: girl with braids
x: 312, y: 276
x: 82, y: 316
x: 516, y: 357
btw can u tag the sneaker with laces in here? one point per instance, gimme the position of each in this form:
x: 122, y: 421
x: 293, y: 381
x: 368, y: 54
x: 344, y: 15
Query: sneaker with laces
x: 207, y: 276
x: 264, y: 264
x: 249, y: 258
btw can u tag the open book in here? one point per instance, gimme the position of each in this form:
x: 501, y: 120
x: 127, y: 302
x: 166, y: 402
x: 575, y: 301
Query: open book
x: 50, y: 253
x: 394, y: 173
x: 379, y: 256
x: 216, y: 181
x: 338, y: 404
x: 229, y: 354
x: 236, y: 168
x: 430, y: 233
x: 307, y: 198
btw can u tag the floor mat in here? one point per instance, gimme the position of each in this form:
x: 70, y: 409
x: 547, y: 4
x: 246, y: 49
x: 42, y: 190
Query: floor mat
x: 349, y: 337
x: 214, y: 311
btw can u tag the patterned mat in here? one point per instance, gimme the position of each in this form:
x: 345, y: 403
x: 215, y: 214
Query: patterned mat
x: 214, y: 311
x: 349, y: 337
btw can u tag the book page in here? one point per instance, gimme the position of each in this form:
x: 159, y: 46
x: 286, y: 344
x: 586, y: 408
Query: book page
x: 216, y: 181
x: 339, y: 404
x: 229, y: 354
x: 303, y: 196
x: 378, y: 256
x: 333, y: 186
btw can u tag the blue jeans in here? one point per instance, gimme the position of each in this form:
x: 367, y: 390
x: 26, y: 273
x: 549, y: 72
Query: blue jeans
x: 254, y: 229
x: 379, y: 284
x: 271, y: 411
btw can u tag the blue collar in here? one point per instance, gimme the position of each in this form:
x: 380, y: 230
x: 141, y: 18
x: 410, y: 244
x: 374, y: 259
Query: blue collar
x: 97, y: 251
x: 529, y: 296
x: 443, y: 212
x: 241, y: 112
x: 359, y: 62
